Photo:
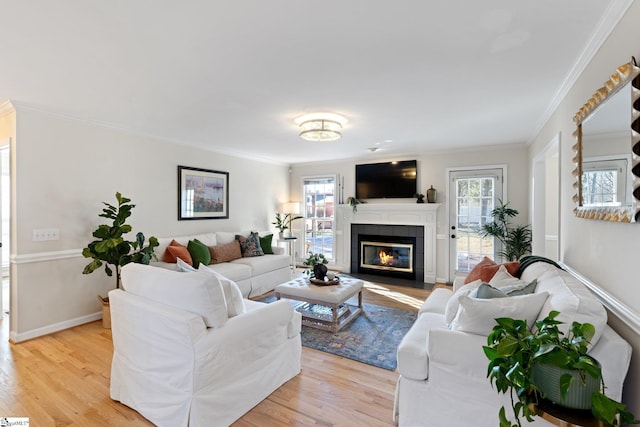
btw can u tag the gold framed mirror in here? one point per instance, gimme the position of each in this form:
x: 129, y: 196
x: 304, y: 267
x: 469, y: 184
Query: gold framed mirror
x: 607, y: 150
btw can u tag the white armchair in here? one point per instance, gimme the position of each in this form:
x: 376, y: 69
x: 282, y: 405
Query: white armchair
x: 176, y: 371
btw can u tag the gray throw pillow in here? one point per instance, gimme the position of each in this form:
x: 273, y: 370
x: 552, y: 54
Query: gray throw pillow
x: 486, y: 291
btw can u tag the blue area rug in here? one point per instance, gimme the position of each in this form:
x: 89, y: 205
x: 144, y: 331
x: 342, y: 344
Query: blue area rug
x: 372, y: 337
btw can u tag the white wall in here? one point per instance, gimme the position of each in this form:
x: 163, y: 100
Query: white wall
x: 432, y: 171
x: 606, y: 253
x: 65, y: 168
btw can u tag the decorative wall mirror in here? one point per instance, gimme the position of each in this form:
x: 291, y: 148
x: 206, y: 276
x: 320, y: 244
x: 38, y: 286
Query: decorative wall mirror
x: 607, y: 151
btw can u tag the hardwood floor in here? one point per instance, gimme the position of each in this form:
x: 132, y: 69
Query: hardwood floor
x: 63, y: 380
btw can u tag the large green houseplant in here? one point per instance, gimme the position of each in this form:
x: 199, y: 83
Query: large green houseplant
x: 516, y: 240
x: 513, y: 350
x: 110, y: 247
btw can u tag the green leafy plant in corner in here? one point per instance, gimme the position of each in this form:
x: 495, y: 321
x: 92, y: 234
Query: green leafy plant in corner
x: 110, y: 247
x: 516, y: 240
x: 312, y: 260
x: 513, y: 349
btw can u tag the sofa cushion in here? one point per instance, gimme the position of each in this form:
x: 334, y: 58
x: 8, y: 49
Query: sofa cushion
x: 232, y: 270
x: 199, y: 293
x: 176, y: 250
x: 266, y: 244
x: 232, y: 294
x: 487, y: 268
x: 454, y: 302
x: 486, y: 291
x: 225, y: 252
x: 199, y: 252
x: 250, y: 245
x: 477, y: 316
x: 264, y: 264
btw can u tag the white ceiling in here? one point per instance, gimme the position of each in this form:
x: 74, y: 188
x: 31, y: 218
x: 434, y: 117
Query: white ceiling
x: 411, y: 76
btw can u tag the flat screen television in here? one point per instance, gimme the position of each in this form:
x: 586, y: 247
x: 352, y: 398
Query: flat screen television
x: 389, y: 180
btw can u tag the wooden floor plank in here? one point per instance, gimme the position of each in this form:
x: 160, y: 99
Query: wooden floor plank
x: 63, y: 380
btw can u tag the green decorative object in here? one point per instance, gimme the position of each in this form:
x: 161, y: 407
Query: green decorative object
x: 312, y: 261
x: 516, y: 241
x: 110, y: 248
x: 283, y: 221
x: 516, y: 354
x: 419, y: 197
x: 353, y: 202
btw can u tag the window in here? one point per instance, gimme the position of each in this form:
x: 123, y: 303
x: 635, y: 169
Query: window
x: 604, y: 182
x: 318, y: 215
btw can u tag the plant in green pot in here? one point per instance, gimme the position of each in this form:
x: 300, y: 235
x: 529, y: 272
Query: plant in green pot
x: 521, y: 362
x: 110, y: 247
x: 515, y: 240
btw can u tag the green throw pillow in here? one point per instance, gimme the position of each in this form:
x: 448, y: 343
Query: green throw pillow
x: 265, y: 243
x: 199, y: 253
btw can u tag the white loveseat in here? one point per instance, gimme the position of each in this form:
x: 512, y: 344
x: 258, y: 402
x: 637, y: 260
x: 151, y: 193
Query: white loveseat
x: 443, y: 370
x: 190, y: 351
x: 253, y: 275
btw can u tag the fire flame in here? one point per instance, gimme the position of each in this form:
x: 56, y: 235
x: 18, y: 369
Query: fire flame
x: 385, y: 259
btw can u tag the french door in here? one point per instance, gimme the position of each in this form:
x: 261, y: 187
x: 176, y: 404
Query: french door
x: 319, y: 198
x: 473, y: 194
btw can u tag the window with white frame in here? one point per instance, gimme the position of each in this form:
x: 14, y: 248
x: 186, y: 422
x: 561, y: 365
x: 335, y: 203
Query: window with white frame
x: 318, y: 212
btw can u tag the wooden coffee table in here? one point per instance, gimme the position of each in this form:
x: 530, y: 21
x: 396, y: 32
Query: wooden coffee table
x: 324, y: 307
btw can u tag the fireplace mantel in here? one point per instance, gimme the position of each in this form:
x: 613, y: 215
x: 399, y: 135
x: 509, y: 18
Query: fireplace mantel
x: 422, y: 214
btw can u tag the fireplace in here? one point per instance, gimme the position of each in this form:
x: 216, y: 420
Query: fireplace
x: 391, y: 251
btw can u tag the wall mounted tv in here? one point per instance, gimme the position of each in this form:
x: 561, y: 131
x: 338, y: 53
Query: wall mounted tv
x: 389, y: 180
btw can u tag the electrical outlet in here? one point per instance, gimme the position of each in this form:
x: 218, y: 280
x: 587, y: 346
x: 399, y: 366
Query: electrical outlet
x: 43, y: 234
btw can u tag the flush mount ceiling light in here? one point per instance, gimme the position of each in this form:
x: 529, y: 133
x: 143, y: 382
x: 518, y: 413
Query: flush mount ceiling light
x: 321, y: 127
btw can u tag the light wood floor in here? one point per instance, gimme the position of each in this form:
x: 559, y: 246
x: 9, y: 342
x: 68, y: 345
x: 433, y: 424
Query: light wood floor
x: 63, y: 380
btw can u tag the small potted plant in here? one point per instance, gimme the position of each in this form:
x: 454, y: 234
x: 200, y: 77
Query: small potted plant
x: 419, y: 197
x: 317, y: 268
x: 283, y: 222
x: 516, y: 241
x: 353, y: 202
x: 519, y: 358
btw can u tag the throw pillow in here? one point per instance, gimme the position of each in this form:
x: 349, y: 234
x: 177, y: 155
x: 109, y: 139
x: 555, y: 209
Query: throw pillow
x: 486, y: 291
x: 502, y: 278
x: 232, y: 293
x: 225, y: 253
x: 250, y: 246
x: 474, y: 274
x: 197, y: 292
x: 174, y: 251
x: 478, y: 316
x: 199, y: 252
x: 454, y: 302
x: 183, y: 267
x: 265, y: 244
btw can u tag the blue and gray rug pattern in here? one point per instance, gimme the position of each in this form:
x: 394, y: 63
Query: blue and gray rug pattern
x: 372, y: 337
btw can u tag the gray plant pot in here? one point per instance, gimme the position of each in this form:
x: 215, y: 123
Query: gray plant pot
x: 547, y: 378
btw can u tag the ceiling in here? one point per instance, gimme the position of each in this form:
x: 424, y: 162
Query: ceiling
x: 231, y: 76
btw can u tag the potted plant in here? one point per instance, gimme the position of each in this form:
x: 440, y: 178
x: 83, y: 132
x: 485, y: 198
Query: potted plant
x: 317, y: 264
x: 283, y: 222
x: 419, y: 197
x: 110, y: 247
x: 353, y: 202
x: 517, y: 355
x: 516, y: 241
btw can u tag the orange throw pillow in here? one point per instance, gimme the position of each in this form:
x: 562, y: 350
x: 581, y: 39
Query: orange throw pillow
x: 475, y: 273
x: 225, y: 253
x: 487, y: 268
x: 174, y: 251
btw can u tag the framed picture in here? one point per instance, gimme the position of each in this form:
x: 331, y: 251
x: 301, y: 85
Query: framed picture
x: 202, y: 194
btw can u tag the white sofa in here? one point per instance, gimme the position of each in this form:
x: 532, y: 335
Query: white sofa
x: 254, y: 275
x: 443, y: 370
x: 189, y: 351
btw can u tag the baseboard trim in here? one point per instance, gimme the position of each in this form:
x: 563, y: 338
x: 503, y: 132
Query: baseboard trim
x: 56, y: 327
x: 619, y: 309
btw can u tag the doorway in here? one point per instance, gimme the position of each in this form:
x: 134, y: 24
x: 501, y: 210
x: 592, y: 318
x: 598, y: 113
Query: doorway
x: 5, y: 193
x: 473, y: 194
x: 545, y: 203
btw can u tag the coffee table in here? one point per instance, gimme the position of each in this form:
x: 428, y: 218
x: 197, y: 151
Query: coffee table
x: 324, y: 307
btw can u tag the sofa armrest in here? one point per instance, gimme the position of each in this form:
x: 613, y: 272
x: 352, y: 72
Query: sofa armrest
x: 459, y: 352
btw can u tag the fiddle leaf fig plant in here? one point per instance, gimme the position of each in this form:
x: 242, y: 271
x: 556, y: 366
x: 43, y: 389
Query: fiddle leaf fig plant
x: 513, y: 349
x: 110, y: 247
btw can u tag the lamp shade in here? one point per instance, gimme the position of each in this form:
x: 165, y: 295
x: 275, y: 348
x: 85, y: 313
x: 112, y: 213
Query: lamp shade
x: 291, y: 208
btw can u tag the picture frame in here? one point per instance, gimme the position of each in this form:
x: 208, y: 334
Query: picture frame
x: 202, y: 194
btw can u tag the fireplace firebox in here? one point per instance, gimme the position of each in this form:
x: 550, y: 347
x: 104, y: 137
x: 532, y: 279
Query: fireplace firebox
x: 387, y: 254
